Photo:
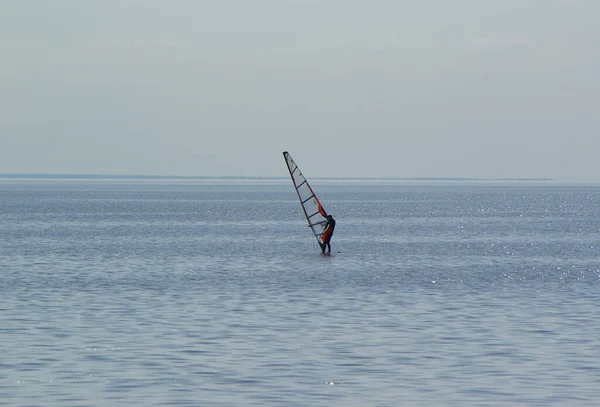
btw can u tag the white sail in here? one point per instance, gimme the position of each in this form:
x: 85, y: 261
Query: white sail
x: 313, y: 210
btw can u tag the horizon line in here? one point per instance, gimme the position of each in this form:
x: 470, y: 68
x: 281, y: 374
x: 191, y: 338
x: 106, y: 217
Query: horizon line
x: 246, y: 177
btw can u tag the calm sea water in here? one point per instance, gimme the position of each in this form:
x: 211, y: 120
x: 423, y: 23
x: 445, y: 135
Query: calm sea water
x: 213, y: 293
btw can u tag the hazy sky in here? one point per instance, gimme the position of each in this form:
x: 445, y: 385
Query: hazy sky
x: 390, y: 88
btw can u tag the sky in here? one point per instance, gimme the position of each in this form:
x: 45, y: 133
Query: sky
x: 351, y: 88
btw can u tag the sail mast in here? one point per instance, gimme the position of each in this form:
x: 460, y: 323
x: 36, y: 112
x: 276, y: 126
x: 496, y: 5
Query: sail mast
x: 312, y: 208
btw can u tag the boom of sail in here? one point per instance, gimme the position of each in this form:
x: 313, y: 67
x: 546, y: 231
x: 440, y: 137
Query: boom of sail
x: 313, y: 210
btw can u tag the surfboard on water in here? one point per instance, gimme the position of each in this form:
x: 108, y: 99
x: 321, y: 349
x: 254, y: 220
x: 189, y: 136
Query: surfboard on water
x: 312, y: 208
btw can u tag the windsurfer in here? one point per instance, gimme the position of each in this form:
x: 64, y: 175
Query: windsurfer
x: 327, y: 233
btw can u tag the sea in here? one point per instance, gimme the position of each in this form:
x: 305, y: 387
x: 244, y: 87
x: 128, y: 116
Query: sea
x: 213, y: 292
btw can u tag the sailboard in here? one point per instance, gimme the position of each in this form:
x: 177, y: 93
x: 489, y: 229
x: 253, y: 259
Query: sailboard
x: 313, y: 210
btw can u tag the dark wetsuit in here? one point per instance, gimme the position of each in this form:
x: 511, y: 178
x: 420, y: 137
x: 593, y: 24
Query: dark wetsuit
x: 327, y: 234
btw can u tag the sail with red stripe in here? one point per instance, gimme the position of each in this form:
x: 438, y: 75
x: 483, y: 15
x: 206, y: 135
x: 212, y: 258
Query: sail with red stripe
x: 313, y: 210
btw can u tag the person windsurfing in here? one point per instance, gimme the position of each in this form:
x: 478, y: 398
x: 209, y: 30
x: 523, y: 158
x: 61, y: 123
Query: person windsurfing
x: 327, y: 233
